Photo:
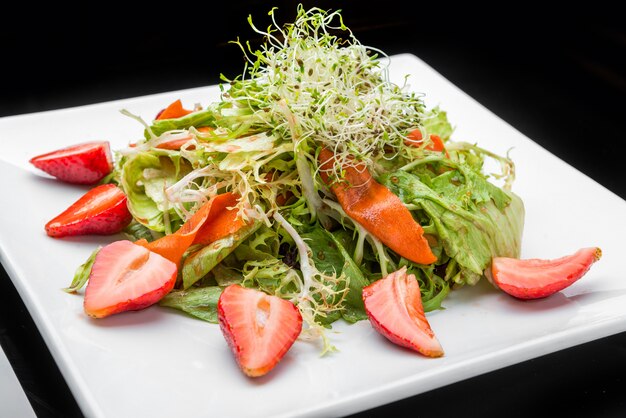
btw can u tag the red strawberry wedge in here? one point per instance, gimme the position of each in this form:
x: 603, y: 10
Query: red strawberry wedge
x: 85, y: 163
x: 100, y: 211
x: 394, y: 307
x: 259, y: 328
x: 127, y: 277
x: 538, y: 278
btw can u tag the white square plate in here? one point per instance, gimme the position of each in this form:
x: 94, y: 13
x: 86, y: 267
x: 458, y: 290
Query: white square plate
x: 160, y: 363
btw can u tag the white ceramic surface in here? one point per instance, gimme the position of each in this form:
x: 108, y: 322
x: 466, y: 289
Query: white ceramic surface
x: 160, y: 363
x: 13, y: 400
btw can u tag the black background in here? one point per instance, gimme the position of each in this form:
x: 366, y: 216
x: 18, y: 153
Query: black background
x: 558, y: 76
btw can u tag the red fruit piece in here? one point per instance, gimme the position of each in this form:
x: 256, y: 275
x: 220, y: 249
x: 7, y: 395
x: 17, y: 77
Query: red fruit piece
x: 394, y: 307
x: 85, y: 163
x: 100, y: 211
x: 259, y: 328
x: 127, y: 277
x: 537, y: 278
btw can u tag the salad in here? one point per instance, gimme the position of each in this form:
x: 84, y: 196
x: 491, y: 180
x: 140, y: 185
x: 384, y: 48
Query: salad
x: 315, y: 190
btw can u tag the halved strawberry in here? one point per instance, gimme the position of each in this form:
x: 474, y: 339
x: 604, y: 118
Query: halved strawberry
x: 538, y: 278
x: 394, y: 307
x: 100, y: 211
x: 259, y: 328
x: 127, y: 277
x: 85, y: 163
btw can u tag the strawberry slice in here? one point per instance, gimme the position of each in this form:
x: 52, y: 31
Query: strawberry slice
x: 127, y: 277
x: 101, y: 211
x: 85, y: 163
x: 538, y: 278
x: 259, y: 328
x: 394, y: 307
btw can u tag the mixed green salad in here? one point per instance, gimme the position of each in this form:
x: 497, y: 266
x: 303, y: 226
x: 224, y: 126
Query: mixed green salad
x: 310, y: 141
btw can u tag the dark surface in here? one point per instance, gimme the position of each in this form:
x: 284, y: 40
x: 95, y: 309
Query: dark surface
x: 559, y: 78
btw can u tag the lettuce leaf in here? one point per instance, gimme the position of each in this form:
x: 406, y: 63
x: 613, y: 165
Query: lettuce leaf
x: 354, y: 308
x: 145, y: 176
x: 198, y: 119
x: 436, y: 122
x: 200, y: 263
x: 270, y: 275
x: 136, y: 231
x: 471, y: 233
x: 236, y: 120
x: 200, y: 302
x: 263, y: 245
x: 331, y: 257
x: 81, y: 276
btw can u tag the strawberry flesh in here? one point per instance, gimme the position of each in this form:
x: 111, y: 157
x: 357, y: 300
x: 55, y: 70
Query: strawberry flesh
x: 394, y: 308
x: 258, y: 328
x: 538, y: 278
x: 85, y: 163
x: 101, y: 211
x: 127, y: 277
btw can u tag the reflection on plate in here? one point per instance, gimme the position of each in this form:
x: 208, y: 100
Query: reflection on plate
x: 160, y: 363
